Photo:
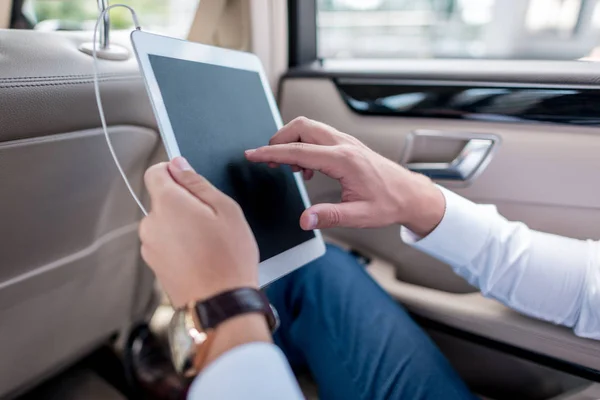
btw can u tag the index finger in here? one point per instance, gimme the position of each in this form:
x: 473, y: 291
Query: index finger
x: 305, y: 130
x: 307, y: 156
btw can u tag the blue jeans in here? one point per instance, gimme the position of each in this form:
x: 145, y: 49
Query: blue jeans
x: 357, y: 342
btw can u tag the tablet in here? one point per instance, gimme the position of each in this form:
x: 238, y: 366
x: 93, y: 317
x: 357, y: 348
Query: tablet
x: 211, y: 105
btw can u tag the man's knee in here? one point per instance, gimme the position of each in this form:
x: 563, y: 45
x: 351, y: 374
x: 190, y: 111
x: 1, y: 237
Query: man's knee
x: 326, y: 275
x: 335, y: 264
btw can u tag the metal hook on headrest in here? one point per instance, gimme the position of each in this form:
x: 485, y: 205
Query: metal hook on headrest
x: 106, y: 50
x: 105, y: 28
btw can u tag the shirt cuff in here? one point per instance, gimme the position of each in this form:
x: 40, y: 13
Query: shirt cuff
x: 460, y: 236
x: 258, y: 370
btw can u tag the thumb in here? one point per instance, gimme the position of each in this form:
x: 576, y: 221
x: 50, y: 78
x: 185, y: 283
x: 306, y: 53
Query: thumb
x: 323, y: 216
x: 183, y: 173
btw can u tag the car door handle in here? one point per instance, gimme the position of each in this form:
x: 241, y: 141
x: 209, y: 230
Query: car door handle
x: 471, y: 160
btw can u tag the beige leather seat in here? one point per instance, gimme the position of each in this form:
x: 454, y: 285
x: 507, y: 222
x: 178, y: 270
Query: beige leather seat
x: 70, y: 270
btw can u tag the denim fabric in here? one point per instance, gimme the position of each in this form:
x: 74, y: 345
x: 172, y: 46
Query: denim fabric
x: 357, y: 342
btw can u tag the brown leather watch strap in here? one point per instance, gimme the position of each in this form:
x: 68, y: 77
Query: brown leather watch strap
x: 233, y: 303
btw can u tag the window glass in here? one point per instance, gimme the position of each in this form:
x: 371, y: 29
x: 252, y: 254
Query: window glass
x: 170, y: 17
x: 497, y: 29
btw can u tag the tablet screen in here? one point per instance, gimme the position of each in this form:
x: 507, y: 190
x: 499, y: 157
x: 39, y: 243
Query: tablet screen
x: 217, y: 113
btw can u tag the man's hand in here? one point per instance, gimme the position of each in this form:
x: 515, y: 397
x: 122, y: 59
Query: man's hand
x: 376, y: 192
x: 196, y: 238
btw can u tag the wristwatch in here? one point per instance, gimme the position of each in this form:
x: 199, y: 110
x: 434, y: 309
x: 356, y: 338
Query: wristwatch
x: 192, y: 328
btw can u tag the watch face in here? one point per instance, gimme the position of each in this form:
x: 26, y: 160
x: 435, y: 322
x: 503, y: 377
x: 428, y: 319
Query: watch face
x: 181, y: 342
x: 276, y: 316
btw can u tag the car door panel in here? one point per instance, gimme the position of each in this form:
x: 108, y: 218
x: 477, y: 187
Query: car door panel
x: 485, y: 317
x: 541, y: 174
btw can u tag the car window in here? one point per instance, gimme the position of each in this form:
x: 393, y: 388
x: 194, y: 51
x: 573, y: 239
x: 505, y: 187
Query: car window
x: 496, y: 29
x: 171, y: 17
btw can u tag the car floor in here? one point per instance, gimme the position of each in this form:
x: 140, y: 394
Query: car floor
x: 76, y: 384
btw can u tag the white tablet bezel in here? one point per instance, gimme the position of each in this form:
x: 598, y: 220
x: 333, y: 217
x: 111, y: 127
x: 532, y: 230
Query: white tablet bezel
x: 146, y: 43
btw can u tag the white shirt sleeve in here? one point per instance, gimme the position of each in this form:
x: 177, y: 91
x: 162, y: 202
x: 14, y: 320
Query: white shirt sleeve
x: 548, y: 277
x: 252, y: 371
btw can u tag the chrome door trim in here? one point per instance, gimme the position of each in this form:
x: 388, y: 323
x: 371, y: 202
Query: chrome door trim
x: 466, y: 167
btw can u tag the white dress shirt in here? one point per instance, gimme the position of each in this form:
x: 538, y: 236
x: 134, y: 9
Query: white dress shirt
x: 548, y: 277
x: 253, y: 371
x: 545, y: 276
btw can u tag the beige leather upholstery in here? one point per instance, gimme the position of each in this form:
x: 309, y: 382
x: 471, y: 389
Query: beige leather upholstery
x: 206, y: 21
x: 70, y: 271
x: 5, y: 10
x: 46, y: 84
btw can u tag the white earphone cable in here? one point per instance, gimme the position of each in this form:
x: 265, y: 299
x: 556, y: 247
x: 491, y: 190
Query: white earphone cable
x: 99, y: 99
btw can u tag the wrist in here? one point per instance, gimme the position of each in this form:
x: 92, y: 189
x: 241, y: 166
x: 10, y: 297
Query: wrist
x: 426, y: 207
x: 237, y: 331
x: 196, y: 293
x: 202, y: 331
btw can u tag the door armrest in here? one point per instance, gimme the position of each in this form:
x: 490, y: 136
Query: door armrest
x: 488, y: 318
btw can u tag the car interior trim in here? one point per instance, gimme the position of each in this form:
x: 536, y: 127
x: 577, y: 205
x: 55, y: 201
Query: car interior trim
x: 5, y: 13
x: 531, y: 73
x: 476, y: 154
x: 541, y: 359
x: 81, y: 254
x: 302, y: 31
x: 473, y: 102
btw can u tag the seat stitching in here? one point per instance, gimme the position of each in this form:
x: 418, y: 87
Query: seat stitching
x: 55, y: 77
x: 66, y: 83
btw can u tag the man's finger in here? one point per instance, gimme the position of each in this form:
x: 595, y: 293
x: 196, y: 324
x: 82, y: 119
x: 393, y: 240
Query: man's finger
x: 197, y: 185
x: 158, y: 179
x: 308, y: 174
x: 306, y: 156
x: 305, y: 130
x: 324, y: 216
x: 155, y: 175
